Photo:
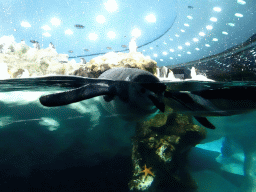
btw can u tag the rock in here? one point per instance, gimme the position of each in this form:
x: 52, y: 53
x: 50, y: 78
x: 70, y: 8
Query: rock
x: 4, y: 71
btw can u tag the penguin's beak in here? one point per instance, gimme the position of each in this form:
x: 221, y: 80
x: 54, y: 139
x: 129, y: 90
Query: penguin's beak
x: 157, y: 94
x: 157, y: 101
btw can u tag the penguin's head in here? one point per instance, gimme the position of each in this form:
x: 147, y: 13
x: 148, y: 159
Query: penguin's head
x: 147, y: 92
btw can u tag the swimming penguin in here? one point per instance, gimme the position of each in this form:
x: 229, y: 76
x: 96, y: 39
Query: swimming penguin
x: 131, y: 93
x: 136, y: 95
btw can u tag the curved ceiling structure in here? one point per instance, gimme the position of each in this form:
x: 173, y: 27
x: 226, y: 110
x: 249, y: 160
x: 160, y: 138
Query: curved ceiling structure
x: 170, y: 32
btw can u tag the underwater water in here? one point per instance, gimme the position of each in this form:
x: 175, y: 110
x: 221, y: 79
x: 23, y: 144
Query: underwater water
x: 81, y: 147
x: 75, y: 148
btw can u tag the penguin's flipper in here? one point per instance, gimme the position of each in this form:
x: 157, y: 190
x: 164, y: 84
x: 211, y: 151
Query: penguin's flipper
x: 204, y: 121
x: 75, y: 95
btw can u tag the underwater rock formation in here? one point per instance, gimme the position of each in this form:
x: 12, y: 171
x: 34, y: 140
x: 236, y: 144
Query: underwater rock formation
x: 160, y: 148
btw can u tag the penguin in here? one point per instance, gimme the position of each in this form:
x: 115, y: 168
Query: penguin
x: 133, y: 94
x: 137, y: 95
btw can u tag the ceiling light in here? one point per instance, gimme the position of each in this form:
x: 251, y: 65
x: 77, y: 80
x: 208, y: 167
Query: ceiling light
x: 182, y: 30
x: 202, y: 34
x: 47, y: 34
x: 214, y: 19
x: 179, y: 47
x: 187, y: 43
x: 187, y: 25
x: 214, y: 39
x: 68, y: 32
x: 155, y: 55
x: 151, y: 18
x: 179, y: 55
x: 207, y: 45
x: 55, y: 21
x: 238, y: 15
x: 172, y: 50
x: 188, y: 52
x: 241, y: 2
x: 209, y: 27
x: 93, y: 36
x: 171, y: 58
x: 46, y: 28
x: 217, y: 9
x: 224, y: 33
x: 25, y: 24
x: 197, y: 49
x: 189, y: 17
x: 195, y: 40
x: 111, y: 34
x: 100, y: 19
x: 164, y: 53
x: 111, y: 6
x: 136, y: 32
x: 231, y: 24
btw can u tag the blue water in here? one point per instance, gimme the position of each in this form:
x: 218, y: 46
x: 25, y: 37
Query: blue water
x: 81, y: 147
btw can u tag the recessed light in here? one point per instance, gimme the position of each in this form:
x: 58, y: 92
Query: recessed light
x: 217, y: 9
x: 202, y: 34
x: 179, y: 47
x: 241, y: 2
x: 214, y: 19
x: 195, y: 40
x: 151, y: 18
x: 238, y: 15
x: 209, y: 27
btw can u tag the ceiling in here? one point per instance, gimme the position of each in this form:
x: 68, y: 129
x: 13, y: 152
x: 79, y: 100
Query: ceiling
x: 171, y: 32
